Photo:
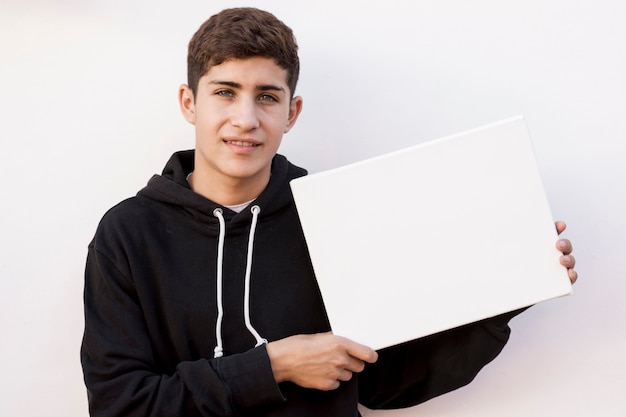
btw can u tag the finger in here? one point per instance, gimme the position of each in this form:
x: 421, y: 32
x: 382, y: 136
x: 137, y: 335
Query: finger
x: 568, y: 261
x: 344, y: 375
x: 560, y: 226
x: 361, y: 352
x: 565, y: 246
x: 354, y: 365
x: 573, y: 275
x: 332, y: 385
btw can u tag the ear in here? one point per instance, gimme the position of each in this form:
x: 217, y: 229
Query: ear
x: 187, y: 103
x: 295, y: 107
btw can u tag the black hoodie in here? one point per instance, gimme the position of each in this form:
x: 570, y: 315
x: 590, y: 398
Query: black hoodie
x: 153, y: 318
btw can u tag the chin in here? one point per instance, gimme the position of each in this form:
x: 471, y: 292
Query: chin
x: 247, y: 173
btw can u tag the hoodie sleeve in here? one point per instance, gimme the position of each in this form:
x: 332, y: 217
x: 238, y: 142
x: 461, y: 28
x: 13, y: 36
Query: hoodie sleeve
x: 123, y: 376
x: 414, y: 372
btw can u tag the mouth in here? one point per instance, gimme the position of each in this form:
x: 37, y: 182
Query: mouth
x: 242, y: 146
x: 242, y: 143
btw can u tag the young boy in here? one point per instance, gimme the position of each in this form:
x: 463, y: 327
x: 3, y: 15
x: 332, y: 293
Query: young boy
x: 200, y: 298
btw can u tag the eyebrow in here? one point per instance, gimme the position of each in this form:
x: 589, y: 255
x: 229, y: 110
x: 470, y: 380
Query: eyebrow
x: 262, y: 87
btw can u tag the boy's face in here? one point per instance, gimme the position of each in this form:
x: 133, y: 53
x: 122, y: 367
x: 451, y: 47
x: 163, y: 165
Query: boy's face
x: 241, y: 110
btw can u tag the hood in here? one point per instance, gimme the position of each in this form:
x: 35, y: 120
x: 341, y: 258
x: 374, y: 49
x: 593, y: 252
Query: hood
x: 171, y: 187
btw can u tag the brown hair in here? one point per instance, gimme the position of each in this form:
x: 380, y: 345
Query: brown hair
x: 241, y: 33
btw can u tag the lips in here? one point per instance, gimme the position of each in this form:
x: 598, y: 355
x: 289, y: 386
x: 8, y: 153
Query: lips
x: 242, y: 146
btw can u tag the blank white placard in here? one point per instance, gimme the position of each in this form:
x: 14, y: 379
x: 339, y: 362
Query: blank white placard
x: 432, y: 237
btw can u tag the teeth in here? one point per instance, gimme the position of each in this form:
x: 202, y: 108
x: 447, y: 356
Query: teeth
x: 240, y: 143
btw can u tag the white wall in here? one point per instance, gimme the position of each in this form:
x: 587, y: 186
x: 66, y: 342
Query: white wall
x: 88, y: 112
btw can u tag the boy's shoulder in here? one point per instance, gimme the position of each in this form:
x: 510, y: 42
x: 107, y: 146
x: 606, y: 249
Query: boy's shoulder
x: 130, y: 208
x: 132, y: 214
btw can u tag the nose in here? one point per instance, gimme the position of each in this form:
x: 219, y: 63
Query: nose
x: 245, y: 114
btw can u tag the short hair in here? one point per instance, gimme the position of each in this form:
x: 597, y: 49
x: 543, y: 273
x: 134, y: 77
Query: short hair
x: 240, y: 33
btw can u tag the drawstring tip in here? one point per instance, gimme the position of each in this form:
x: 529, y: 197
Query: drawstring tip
x: 218, y: 352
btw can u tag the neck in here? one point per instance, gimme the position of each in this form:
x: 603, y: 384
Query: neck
x: 229, y: 191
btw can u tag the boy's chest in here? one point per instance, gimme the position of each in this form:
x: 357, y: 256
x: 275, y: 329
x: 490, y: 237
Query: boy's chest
x: 180, y: 298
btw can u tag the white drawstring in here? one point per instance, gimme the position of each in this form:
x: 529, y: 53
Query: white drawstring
x: 219, y: 350
x: 246, y: 306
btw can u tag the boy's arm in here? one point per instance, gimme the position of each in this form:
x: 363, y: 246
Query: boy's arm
x: 414, y: 372
x: 122, y: 375
x: 417, y: 371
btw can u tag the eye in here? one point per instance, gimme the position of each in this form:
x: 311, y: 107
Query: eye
x: 224, y: 93
x: 268, y: 98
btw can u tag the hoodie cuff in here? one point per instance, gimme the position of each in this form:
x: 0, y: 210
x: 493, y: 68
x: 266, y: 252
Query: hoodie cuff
x: 498, y: 326
x: 251, y: 379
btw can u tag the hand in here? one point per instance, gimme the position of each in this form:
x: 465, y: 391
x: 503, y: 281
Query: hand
x: 565, y: 246
x: 319, y: 361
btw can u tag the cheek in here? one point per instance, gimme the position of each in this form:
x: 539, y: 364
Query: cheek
x: 207, y: 123
x: 277, y: 123
x: 278, y: 130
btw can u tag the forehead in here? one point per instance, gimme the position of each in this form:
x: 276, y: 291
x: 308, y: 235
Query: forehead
x: 248, y: 71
